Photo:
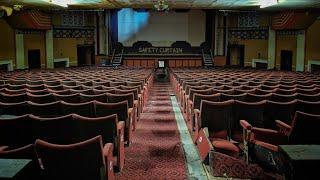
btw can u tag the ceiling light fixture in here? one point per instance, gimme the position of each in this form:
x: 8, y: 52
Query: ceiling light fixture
x: 161, y: 6
x: 62, y: 3
x: 267, y: 3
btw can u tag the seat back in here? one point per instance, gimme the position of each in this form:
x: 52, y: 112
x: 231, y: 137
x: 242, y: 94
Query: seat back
x: 107, y: 109
x: 97, y: 97
x: 283, y: 98
x: 257, y: 98
x: 35, y: 87
x: 8, y: 91
x: 82, y: 160
x: 252, y: 112
x: 41, y: 99
x: 308, y: 107
x: 307, y: 97
x: 102, y: 91
x: 38, y: 92
x: 216, y: 116
x: 25, y: 152
x: 58, y: 130
x: 199, y: 91
x: 197, y: 98
x: 118, y: 83
x: 115, y: 98
x: 304, y: 129
x: 308, y: 91
x: 134, y: 91
x: 69, y: 98
x: 286, y: 91
x: 52, y: 109
x: 85, y: 91
x: 16, y: 131
x: 240, y: 97
x: 283, y: 111
x: 16, y: 109
x: 83, y: 109
x: 13, y: 98
x: 90, y: 127
x: 139, y: 87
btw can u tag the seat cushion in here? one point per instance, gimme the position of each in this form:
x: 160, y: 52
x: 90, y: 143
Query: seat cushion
x: 225, y: 146
x: 237, y: 136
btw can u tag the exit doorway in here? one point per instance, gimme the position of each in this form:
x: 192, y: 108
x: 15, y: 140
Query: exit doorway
x: 235, y: 55
x: 85, y: 55
x: 34, y: 59
x: 286, y: 60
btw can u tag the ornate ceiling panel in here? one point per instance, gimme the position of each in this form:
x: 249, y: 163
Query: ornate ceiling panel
x: 173, y: 4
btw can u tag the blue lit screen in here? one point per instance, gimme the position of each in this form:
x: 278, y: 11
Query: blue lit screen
x: 130, y: 22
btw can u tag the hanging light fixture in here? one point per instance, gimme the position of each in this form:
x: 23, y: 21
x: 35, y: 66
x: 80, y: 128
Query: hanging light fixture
x: 161, y: 6
x: 267, y: 3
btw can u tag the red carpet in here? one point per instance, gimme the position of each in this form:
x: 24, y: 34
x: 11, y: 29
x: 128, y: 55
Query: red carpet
x: 156, y: 152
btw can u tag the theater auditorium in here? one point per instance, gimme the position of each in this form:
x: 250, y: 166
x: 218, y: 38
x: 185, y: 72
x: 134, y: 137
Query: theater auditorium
x: 159, y: 89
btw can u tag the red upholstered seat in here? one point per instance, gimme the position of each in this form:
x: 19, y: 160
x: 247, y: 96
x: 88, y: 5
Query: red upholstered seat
x: 225, y: 146
x: 85, y: 160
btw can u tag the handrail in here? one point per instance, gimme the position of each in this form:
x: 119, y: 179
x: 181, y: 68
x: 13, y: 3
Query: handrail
x: 114, y: 51
x: 203, y: 58
x: 212, y: 57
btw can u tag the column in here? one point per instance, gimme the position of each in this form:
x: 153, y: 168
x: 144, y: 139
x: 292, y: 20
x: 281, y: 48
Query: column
x: 102, y: 32
x: 49, y: 49
x: 219, y: 36
x: 20, y: 63
x: 301, y: 44
x: 271, y: 49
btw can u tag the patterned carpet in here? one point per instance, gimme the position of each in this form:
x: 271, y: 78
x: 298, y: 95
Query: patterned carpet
x: 156, y: 151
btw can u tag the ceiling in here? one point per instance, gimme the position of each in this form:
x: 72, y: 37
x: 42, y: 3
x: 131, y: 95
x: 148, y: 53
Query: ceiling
x: 173, y: 4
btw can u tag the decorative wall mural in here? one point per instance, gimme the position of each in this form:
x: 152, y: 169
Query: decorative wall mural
x: 289, y: 32
x: 29, y: 31
x: 72, y: 19
x: 73, y: 33
x: 249, y: 34
x: 248, y: 19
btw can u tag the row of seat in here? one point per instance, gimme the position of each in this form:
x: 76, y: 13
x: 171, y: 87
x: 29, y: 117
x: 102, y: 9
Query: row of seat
x: 69, y: 96
x: 65, y: 117
x: 58, y: 85
x: 244, y: 116
x: 69, y: 148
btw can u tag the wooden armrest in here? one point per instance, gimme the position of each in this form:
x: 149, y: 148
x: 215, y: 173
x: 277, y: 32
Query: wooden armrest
x: 2, y: 148
x: 245, y: 125
x: 108, y: 150
x: 196, y: 112
x: 283, y: 126
x: 269, y: 136
x: 108, y: 155
x: 264, y: 131
x: 120, y: 150
x: 130, y: 110
x: 120, y: 125
x: 135, y: 103
x: 267, y: 145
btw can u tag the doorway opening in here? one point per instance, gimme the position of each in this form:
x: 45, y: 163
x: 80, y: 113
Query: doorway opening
x: 34, y: 61
x: 286, y: 60
x: 235, y: 55
x: 85, y: 55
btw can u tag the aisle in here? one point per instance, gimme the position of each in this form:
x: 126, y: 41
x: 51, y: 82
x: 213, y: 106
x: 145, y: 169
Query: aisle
x: 156, y: 151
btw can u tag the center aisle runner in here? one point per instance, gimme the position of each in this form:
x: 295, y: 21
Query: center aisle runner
x: 156, y: 151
